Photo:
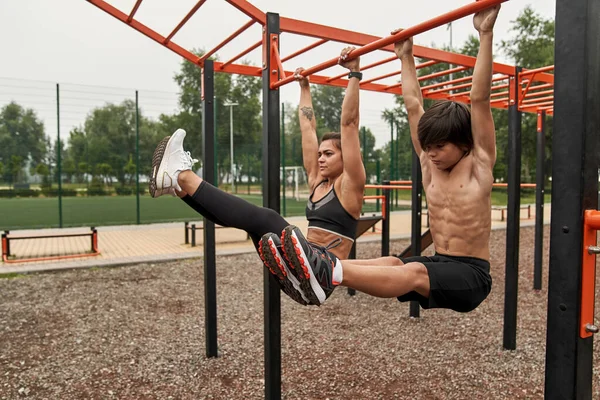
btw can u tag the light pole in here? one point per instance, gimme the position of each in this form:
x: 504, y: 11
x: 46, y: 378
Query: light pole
x: 230, y: 105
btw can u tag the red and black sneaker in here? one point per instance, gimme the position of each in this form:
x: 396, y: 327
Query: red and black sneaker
x: 269, y: 249
x: 313, y: 263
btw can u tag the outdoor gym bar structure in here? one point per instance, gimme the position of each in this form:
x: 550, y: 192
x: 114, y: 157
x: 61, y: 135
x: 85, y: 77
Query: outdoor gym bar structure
x: 574, y: 103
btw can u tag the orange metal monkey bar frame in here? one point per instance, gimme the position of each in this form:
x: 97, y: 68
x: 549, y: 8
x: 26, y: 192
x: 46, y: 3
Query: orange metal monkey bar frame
x: 591, y: 224
x: 532, y: 80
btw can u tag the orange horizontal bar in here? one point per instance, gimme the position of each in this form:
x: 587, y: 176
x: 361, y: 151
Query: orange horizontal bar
x: 432, y: 76
x: 466, y: 78
x: 243, y: 53
x: 250, y: 10
x: 540, y: 93
x: 134, y: 10
x: 468, y: 92
x: 381, y: 197
x: 400, y: 182
x: 591, y: 223
x: 377, y: 78
x: 404, y: 34
x: 538, y: 87
x: 366, y: 67
x: 541, y: 99
x: 542, y: 104
x: 453, y: 81
x: 499, y: 94
x: 184, y: 21
x: 537, y: 70
x: 228, y: 39
x: 138, y: 26
x: 305, y: 49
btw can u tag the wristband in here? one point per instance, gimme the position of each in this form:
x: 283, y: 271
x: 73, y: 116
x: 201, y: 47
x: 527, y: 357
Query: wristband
x: 355, y: 74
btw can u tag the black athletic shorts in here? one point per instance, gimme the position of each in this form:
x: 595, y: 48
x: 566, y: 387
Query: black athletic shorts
x: 457, y: 283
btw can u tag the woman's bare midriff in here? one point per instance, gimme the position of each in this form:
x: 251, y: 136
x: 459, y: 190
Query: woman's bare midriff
x: 324, y: 238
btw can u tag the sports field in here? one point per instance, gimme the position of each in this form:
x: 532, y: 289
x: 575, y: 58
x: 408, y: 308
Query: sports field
x: 28, y: 213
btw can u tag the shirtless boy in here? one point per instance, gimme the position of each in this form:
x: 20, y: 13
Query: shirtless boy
x: 457, y: 150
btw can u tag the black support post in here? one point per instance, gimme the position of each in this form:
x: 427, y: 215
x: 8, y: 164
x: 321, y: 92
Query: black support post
x: 385, y: 222
x: 513, y: 215
x: 539, y: 201
x: 209, y: 175
x: 415, y: 231
x: 271, y: 198
x: 575, y: 160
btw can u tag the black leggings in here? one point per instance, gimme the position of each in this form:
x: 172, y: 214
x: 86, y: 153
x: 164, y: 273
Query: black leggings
x: 231, y: 211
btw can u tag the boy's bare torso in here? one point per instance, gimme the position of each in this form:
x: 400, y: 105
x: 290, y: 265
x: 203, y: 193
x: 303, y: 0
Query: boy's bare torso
x: 459, y: 204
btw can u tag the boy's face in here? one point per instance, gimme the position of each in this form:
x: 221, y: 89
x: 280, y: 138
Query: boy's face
x: 330, y: 160
x: 445, y: 156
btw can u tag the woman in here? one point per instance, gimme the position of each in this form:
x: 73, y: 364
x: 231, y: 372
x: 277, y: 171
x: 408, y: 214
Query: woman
x: 336, y: 184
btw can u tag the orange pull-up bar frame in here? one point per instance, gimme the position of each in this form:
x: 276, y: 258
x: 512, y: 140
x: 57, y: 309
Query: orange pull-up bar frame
x: 404, y: 34
x: 591, y: 224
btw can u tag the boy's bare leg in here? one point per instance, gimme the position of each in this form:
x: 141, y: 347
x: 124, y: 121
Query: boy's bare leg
x: 386, y: 281
x: 381, y: 261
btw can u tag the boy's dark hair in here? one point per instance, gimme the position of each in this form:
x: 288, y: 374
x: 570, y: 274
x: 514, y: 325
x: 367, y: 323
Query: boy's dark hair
x: 335, y: 136
x: 446, y: 122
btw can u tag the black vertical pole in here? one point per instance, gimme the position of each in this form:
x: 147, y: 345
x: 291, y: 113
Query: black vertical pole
x: 271, y: 197
x: 539, y: 201
x: 209, y: 175
x: 283, y: 157
x: 575, y: 160
x: 137, y: 158
x: 513, y: 215
x: 59, y: 157
x: 415, y: 231
x: 385, y: 223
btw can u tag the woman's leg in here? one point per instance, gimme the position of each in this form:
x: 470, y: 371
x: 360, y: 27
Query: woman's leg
x: 228, y: 210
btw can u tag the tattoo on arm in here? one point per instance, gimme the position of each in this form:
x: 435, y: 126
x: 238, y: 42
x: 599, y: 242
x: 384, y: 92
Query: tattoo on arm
x: 307, y: 112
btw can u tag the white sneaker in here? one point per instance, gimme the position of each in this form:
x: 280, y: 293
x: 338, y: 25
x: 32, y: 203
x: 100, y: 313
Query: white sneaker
x: 168, y: 161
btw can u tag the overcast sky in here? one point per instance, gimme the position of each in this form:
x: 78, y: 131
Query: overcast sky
x: 96, y: 58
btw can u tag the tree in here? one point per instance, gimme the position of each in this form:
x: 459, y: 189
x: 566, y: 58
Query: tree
x: 1, y: 169
x: 130, y: 170
x: 108, y: 137
x: 532, y: 46
x: 21, y: 135
x: 43, y: 171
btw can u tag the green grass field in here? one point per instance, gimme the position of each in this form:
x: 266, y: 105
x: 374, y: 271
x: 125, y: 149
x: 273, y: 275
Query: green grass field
x: 30, y: 213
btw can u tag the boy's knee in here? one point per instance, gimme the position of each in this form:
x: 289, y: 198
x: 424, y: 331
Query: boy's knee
x: 419, y: 277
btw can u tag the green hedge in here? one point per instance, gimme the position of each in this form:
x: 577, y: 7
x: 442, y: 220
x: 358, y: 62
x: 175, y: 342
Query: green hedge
x: 8, y: 193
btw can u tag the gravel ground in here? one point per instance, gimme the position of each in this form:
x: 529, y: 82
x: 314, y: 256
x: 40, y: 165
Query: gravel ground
x: 137, y: 333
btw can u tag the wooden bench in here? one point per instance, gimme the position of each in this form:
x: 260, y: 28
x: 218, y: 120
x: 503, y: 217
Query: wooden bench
x: 502, y: 209
x: 193, y: 228
x: 7, y: 238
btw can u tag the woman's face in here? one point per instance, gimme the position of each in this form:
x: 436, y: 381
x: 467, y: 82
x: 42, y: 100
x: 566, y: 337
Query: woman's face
x: 330, y: 160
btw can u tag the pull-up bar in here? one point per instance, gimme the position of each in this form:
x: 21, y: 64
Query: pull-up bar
x: 402, y: 35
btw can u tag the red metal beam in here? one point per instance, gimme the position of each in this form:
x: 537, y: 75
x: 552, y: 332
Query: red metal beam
x: 184, y: 21
x: 541, y: 99
x: 242, y: 54
x: 138, y: 26
x: 404, y: 34
x: 250, y: 10
x: 541, y: 93
x: 536, y: 70
x: 304, y: 50
x: 227, y: 40
x: 134, y: 10
x: 366, y: 67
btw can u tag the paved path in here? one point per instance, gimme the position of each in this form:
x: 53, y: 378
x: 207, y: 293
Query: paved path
x: 132, y: 244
